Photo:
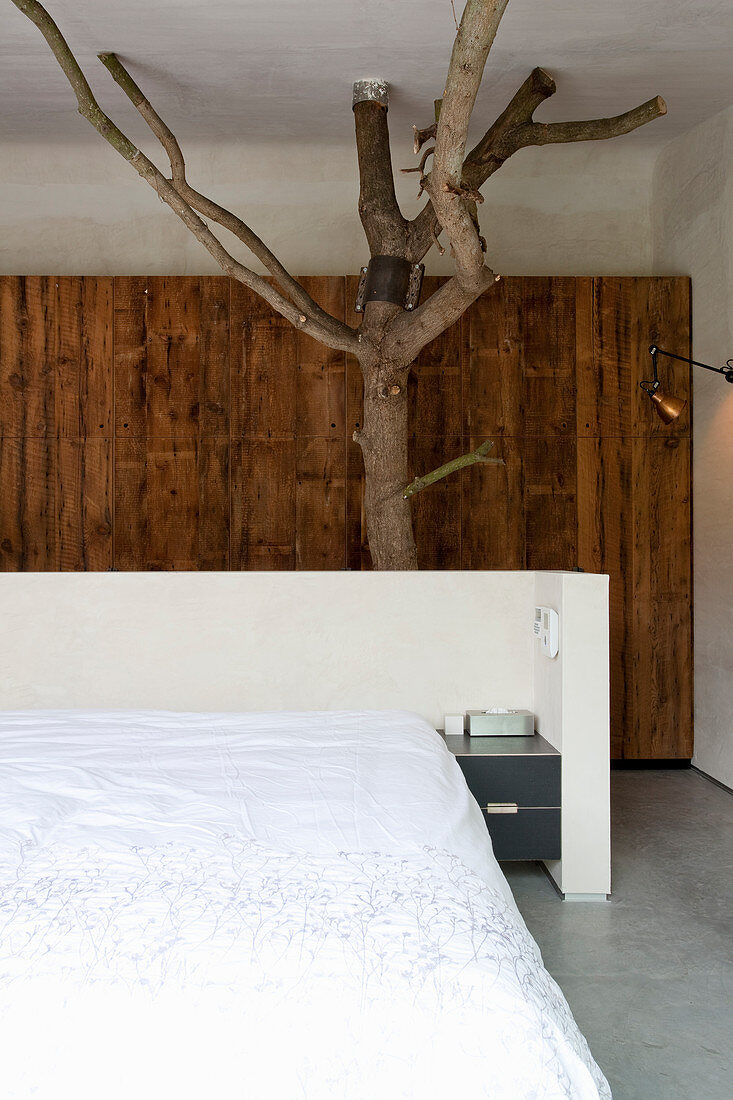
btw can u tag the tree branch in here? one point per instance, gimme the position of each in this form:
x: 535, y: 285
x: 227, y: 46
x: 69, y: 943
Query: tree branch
x: 145, y: 108
x: 484, y: 158
x: 479, y: 455
x: 516, y: 129
x: 476, y: 33
x: 489, y: 152
x: 595, y: 129
x: 423, y: 161
x: 90, y: 109
x: 210, y: 209
x: 381, y: 217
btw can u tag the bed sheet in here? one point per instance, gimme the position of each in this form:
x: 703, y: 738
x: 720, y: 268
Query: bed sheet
x: 312, y: 782
x: 262, y: 906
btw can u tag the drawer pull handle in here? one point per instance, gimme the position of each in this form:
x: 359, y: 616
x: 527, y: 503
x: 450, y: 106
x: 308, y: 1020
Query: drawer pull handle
x: 502, y: 808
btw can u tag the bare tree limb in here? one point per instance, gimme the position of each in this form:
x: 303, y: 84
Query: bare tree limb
x: 478, y: 27
x: 452, y: 203
x: 144, y: 107
x: 86, y: 103
x: 208, y: 207
x: 90, y: 109
x: 484, y: 159
x: 516, y: 129
x: 596, y: 129
x: 479, y: 455
x: 488, y: 154
x: 421, y: 166
x: 384, y: 225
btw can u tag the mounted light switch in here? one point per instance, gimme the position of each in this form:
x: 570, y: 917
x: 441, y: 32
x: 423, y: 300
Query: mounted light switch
x: 547, y: 629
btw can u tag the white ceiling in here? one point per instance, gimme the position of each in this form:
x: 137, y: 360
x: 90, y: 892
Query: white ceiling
x: 282, y: 69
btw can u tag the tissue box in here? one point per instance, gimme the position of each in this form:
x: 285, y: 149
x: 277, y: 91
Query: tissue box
x: 513, y: 723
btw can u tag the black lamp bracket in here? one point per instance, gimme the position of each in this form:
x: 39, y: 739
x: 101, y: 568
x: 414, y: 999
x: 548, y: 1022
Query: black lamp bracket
x: 651, y: 386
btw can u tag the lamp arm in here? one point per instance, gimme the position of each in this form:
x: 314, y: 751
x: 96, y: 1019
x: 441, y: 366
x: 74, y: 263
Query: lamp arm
x: 654, y: 351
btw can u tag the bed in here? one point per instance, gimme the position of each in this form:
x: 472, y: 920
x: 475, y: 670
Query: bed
x: 262, y: 906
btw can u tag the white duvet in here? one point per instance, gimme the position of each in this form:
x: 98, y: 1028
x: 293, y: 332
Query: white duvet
x: 261, y: 906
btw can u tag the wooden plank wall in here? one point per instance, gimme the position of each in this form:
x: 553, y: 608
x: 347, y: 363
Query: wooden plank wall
x: 634, y: 509
x: 55, y: 423
x: 178, y: 423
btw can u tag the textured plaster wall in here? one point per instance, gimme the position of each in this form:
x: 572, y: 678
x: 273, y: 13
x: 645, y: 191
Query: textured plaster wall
x: 434, y: 642
x: 693, y: 234
x: 580, y: 209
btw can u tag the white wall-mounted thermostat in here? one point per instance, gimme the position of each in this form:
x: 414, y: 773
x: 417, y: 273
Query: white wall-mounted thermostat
x: 547, y: 629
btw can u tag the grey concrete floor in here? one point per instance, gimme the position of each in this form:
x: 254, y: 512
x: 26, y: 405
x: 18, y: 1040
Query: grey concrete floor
x: 649, y: 975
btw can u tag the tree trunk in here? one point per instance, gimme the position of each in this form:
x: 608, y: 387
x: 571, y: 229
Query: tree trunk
x: 383, y: 442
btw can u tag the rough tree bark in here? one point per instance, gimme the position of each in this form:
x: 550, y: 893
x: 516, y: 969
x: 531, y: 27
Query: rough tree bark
x: 389, y: 338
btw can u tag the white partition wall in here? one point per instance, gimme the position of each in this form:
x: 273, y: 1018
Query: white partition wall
x: 432, y: 642
x: 571, y: 701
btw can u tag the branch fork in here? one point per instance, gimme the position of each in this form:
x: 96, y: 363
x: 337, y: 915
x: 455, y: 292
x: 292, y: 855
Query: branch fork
x: 516, y: 129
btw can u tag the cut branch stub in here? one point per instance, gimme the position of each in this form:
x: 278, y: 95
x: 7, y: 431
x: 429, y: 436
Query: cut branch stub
x: 421, y: 136
x: 371, y: 91
x: 479, y: 455
x: 381, y: 217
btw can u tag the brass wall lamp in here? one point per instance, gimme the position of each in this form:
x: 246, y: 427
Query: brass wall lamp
x: 669, y: 407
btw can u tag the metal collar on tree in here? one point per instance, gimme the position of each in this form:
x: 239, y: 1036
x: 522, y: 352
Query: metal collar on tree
x: 389, y: 279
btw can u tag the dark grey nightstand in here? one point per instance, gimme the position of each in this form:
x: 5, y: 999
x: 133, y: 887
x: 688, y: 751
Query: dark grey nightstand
x: 516, y: 782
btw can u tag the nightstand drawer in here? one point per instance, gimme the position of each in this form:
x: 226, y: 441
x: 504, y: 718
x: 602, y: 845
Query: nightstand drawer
x: 525, y: 780
x: 527, y: 834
